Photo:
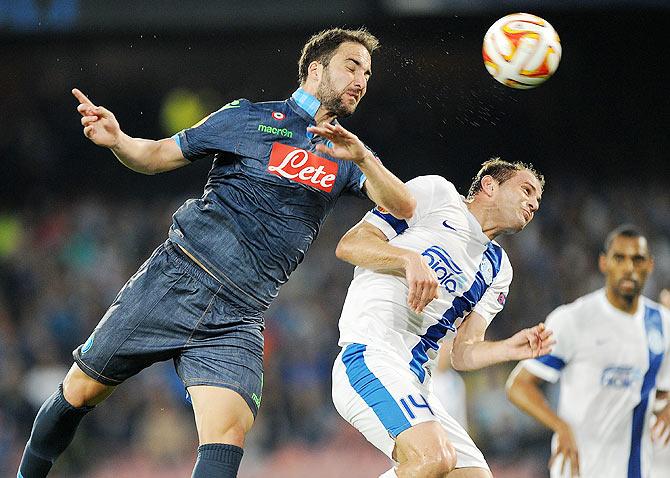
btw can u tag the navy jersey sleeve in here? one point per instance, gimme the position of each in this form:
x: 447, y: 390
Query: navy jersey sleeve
x: 356, y: 179
x: 221, y: 131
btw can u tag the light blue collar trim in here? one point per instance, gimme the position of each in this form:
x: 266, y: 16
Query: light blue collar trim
x: 307, y: 102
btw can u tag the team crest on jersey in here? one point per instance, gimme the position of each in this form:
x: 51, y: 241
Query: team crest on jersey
x: 302, y: 167
x: 620, y: 377
x: 655, y: 341
x: 277, y: 115
x: 486, y: 268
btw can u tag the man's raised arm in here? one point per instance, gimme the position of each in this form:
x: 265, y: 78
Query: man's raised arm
x: 381, y: 185
x: 142, y: 155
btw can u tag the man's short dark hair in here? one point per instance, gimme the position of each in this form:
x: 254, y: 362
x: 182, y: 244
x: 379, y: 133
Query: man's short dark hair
x: 501, y: 171
x: 625, y: 230
x: 322, y: 46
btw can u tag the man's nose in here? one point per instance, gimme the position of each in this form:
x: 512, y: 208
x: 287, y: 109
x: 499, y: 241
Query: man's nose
x: 360, y: 80
x: 628, y: 264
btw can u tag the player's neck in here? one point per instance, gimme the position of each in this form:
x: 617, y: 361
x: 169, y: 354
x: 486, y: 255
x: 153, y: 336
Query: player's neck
x: 485, y: 218
x: 623, y: 304
x: 323, y: 115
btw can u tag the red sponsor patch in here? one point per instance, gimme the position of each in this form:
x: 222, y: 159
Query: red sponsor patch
x: 302, y: 167
x: 502, y: 298
x: 278, y: 115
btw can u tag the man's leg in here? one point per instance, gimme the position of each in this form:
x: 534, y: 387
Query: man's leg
x: 57, y: 421
x: 223, y: 419
x: 424, y: 451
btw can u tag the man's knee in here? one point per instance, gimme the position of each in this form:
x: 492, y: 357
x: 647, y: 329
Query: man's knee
x: 425, y: 450
x: 80, y: 390
x: 442, y: 461
x: 431, y: 463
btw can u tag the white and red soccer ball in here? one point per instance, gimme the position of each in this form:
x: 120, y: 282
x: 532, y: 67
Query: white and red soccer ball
x: 521, y: 50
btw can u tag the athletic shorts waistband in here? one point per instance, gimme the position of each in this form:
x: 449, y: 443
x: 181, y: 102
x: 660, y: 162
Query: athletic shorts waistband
x: 186, y: 264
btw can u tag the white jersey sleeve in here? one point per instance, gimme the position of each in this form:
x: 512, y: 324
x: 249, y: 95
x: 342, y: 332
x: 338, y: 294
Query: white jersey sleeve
x: 495, y: 296
x: 548, y: 367
x: 663, y: 377
x: 425, y: 190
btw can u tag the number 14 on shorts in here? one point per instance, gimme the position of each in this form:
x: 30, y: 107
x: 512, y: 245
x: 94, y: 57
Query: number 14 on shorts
x: 413, y: 406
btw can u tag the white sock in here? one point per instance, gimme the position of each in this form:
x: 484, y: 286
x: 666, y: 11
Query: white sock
x: 389, y: 474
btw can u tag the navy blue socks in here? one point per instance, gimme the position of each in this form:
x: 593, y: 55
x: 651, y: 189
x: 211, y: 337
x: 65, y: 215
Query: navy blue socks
x: 216, y: 460
x: 53, y: 430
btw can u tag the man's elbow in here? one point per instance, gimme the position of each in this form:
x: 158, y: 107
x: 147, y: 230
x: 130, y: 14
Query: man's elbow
x: 343, y: 249
x: 513, y: 385
x: 458, y: 363
x: 405, y: 209
x: 510, y: 388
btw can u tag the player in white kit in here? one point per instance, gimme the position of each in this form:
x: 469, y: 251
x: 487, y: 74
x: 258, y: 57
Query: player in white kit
x: 660, y: 465
x: 611, y: 356
x: 417, y: 283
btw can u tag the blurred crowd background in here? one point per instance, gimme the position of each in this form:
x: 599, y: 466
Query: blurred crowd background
x: 75, y: 224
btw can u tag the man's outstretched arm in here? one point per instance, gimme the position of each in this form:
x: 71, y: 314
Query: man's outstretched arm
x: 472, y: 352
x: 381, y: 185
x: 142, y: 155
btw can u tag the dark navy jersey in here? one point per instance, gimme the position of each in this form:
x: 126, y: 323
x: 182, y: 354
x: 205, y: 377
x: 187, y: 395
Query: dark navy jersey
x: 266, y: 196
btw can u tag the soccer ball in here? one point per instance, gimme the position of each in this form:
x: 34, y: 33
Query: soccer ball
x: 521, y: 50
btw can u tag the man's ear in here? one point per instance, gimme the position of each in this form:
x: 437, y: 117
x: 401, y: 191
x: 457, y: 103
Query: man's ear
x: 489, y: 184
x: 602, y: 263
x: 315, y: 71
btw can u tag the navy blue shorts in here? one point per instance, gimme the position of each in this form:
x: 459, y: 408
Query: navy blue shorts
x: 173, y: 309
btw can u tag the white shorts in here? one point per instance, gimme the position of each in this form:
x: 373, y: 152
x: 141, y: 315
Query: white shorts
x: 375, y: 391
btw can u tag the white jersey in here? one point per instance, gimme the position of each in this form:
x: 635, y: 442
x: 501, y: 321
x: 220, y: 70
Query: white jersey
x: 474, y: 274
x: 610, y: 364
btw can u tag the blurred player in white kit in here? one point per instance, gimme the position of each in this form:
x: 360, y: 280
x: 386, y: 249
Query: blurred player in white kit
x: 660, y: 464
x: 436, y: 276
x: 611, y: 355
x: 449, y: 386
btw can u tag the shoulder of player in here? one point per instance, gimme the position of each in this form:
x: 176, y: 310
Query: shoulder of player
x: 652, y: 304
x: 231, y: 111
x: 579, y: 307
x: 506, y: 269
x: 268, y: 105
x: 433, y: 183
x: 244, y: 104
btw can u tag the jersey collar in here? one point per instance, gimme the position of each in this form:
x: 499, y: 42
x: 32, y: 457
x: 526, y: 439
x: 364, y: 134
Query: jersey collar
x: 306, y: 105
x: 306, y: 102
x: 639, y: 312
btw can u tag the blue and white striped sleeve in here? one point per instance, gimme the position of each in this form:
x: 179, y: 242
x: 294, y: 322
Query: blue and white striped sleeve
x: 549, y: 367
x: 663, y: 376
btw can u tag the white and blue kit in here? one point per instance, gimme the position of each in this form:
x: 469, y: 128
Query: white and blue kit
x: 610, y: 364
x: 381, y: 379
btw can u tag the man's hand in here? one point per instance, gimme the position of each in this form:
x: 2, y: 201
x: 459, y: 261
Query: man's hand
x: 660, y: 430
x: 346, y: 145
x: 100, y: 125
x: 566, y: 450
x: 422, y: 282
x: 530, y: 343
